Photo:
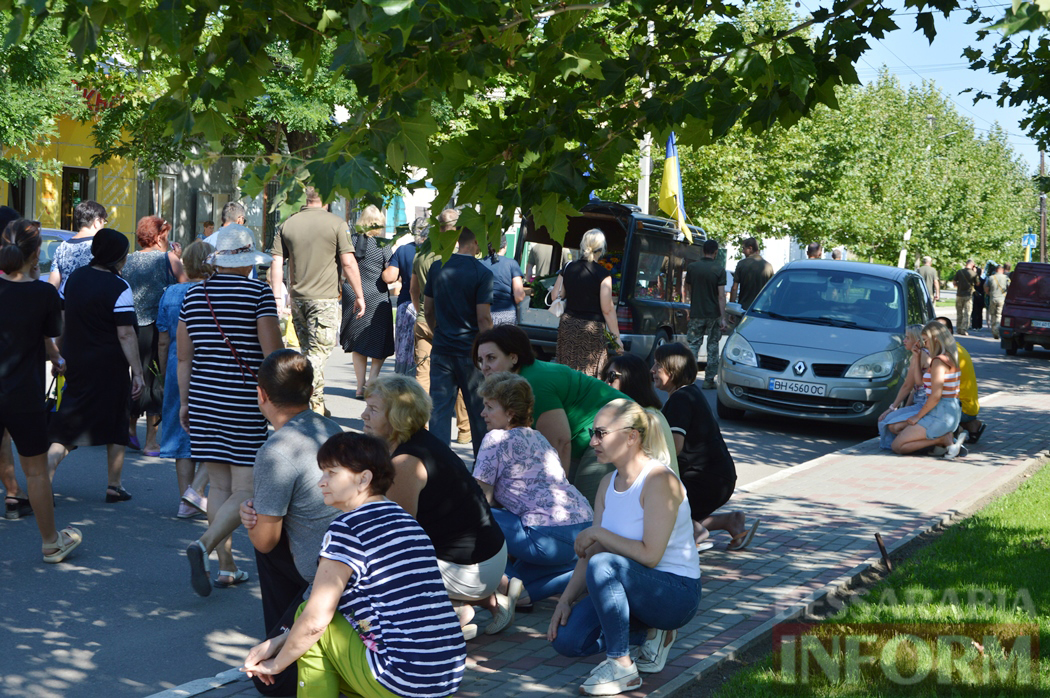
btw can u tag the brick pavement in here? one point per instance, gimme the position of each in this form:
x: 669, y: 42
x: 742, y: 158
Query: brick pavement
x: 818, y: 523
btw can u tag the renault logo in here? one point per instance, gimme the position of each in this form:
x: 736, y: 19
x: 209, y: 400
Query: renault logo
x: 800, y: 368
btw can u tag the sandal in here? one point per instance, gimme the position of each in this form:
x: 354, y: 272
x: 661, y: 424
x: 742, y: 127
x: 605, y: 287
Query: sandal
x: 743, y: 539
x: 198, y: 558
x: 72, y: 537
x: 238, y: 577
x: 116, y: 493
x: 17, y: 507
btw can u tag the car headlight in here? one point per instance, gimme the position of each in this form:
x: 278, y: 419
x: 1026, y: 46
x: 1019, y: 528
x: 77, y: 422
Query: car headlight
x: 877, y: 365
x: 738, y: 350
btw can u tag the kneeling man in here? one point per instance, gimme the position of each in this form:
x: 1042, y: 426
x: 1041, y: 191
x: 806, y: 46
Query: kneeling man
x: 287, y: 519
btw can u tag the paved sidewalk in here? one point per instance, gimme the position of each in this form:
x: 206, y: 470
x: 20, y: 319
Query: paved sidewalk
x: 818, y: 523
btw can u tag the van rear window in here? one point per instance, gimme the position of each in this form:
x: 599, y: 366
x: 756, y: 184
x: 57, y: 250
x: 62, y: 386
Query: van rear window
x: 1026, y: 286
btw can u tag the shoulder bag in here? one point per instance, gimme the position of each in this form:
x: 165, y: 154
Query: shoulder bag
x: 244, y: 367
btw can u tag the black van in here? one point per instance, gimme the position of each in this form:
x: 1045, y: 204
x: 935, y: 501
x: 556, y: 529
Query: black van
x: 648, y: 256
x: 1026, y: 311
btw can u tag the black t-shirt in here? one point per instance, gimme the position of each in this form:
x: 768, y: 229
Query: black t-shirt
x: 582, y: 281
x: 705, y: 450
x: 457, y: 288
x: 452, y: 508
x: 32, y: 311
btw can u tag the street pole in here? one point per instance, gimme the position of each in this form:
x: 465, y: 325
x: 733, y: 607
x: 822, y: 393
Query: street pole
x: 1042, y: 209
x: 645, y: 163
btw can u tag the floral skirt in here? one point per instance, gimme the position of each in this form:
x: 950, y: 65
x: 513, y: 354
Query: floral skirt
x: 582, y: 345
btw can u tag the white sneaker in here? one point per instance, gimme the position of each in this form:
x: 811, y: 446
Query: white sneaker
x: 652, y: 656
x: 610, y: 679
x: 504, y: 613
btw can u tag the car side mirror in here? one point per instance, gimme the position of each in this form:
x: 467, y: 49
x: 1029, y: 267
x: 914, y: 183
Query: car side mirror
x: 735, y: 309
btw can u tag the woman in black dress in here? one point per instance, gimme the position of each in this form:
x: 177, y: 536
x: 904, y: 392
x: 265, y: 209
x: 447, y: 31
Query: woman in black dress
x: 100, y: 343
x: 704, y: 461
x: 372, y: 335
x: 32, y: 317
x: 586, y: 287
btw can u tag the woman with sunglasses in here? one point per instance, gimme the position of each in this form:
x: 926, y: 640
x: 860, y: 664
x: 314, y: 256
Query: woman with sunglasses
x: 705, y: 463
x: 629, y: 374
x: 566, y: 401
x: 638, y: 563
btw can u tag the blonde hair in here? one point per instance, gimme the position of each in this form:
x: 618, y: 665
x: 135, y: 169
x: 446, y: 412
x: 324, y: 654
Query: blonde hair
x: 194, y: 259
x: 634, y: 416
x: 913, y: 332
x: 448, y: 218
x: 943, y: 341
x: 371, y: 221
x: 407, y: 404
x: 514, y: 395
x: 592, y: 246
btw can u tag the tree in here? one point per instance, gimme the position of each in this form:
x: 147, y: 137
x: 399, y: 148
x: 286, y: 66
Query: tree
x: 36, y: 88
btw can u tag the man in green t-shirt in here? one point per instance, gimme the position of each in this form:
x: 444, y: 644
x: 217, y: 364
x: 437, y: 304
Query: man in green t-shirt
x: 751, y: 275
x: 706, y: 280
x: 965, y: 280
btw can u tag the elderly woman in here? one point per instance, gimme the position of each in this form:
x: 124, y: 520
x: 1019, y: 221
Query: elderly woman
x: 99, y: 344
x: 227, y: 326
x: 911, y: 395
x: 89, y: 217
x: 433, y: 485
x: 149, y: 271
x: 175, y: 442
x: 365, y: 631
x: 706, y: 467
x: 629, y: 374
x: 638, y: 563
x: 566, y: 401
x: 938, y: 418
x: 542, y: 513
x: 586, y: 287
x: 371, y: 335
x: 31, y: 319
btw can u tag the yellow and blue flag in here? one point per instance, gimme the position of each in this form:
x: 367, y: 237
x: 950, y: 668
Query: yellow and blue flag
x: 671, y: 189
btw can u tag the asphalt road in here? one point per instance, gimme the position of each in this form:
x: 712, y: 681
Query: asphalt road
x: 120, y: 619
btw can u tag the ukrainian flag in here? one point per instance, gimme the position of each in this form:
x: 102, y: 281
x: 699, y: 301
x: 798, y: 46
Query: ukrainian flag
x: 671, y: 189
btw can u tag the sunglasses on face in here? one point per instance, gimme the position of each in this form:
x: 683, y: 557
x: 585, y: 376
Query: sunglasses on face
x: 601, y: 432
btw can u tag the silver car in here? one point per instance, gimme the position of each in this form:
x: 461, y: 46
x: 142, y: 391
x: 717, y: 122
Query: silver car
x: 823, y: 340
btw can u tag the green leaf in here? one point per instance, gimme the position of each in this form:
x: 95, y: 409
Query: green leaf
x: 359, y: 176
x: 924, y: 21
x: 391, y: 7
x: 395, y: 156
x: 83, y: 34
x: 415, y: 135
x: 553, y: 214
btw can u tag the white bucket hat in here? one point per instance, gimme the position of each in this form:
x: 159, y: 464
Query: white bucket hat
x: 235, y: 247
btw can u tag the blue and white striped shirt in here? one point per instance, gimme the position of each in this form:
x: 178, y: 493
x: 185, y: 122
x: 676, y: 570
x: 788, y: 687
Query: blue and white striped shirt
x: 396, y: 600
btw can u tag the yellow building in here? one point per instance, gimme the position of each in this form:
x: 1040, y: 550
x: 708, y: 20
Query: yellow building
x: 50, y: 198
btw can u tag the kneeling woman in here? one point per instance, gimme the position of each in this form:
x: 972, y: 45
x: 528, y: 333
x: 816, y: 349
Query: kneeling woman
x: 434, y: 486
x: 542, y: 513
x: 389, y: 637
x: 637, y: 563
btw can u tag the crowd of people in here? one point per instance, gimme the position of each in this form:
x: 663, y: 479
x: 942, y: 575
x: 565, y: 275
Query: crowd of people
x: 375, y: 549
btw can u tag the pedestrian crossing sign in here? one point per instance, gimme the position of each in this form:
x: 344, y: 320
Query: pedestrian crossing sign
x: 1028, y: 240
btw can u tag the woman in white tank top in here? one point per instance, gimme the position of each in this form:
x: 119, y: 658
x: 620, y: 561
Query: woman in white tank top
x: 638, y: 562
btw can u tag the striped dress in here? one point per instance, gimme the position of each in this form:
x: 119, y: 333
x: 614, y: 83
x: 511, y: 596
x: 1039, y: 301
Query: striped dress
x: 396, y: 601
x: 225, y: 423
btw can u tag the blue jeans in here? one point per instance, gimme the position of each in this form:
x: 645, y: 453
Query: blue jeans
x: 447, y: 374
x: 626, y: 599
x: 543, y: 556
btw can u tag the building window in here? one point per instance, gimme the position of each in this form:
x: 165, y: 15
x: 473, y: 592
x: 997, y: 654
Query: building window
x: 164, y: 198
x: 75, y: 184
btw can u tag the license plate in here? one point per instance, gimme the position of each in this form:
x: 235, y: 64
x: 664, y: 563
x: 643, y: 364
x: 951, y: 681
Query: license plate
x: 1041, y: 323
x: 798, y: 387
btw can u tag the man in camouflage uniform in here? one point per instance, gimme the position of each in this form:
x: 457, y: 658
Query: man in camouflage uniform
x: 707, y: 306
x: 316, y: 244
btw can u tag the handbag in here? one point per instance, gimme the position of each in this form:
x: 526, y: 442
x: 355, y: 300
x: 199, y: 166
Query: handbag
x: 556, y: 306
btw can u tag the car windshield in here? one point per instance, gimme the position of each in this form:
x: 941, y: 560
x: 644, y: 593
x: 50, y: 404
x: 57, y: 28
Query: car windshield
x: 834, y: 298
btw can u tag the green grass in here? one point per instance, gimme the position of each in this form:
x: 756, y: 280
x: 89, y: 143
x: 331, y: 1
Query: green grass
x: 1004, y: 549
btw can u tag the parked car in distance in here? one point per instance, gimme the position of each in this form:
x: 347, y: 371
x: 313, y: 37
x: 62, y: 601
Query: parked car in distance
x: 51, y: 238
x: 1026, y: 311
x: 648, y: 256
x: 823, y: 340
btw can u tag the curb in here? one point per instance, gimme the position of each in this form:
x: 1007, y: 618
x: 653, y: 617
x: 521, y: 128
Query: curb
x: 757, y: 635
x: 199, y: 686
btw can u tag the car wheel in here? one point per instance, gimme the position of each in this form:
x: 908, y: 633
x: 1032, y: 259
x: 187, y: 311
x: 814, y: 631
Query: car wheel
x: 726, y: 412
x: 1009, y: 345
x: 662, y: 337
